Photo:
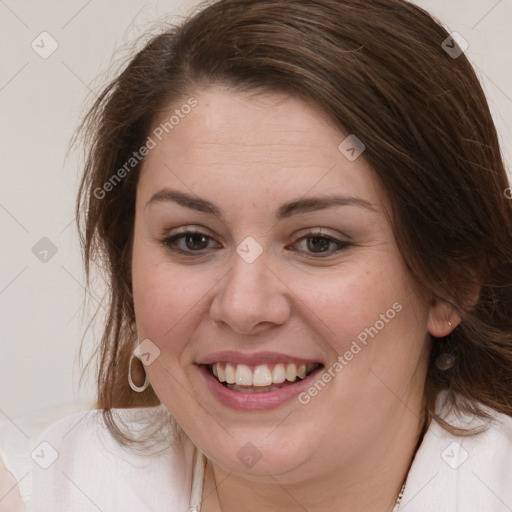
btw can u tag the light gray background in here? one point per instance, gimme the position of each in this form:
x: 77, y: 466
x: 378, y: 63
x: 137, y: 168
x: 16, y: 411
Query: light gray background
x: 41, y: 101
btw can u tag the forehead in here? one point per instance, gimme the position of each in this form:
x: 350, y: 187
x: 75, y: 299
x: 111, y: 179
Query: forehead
x: 261, y: 145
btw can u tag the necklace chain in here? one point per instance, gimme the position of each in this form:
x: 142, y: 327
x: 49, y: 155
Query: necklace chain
x: 396, y: 508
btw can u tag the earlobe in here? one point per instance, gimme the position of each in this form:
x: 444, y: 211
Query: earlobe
x: 442, y: 319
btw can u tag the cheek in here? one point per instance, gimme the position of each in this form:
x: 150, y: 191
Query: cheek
x: 160, y: 294
x: 375, y: 327
x: 170, y: 300
x: 371, y: 315
x: 163, y: 299
x: 344, y: 304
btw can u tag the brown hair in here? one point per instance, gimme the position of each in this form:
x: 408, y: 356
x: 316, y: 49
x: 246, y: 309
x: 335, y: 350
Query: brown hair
x: 379, y: 70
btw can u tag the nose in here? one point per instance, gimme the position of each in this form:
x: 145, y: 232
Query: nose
x: 251, y: 298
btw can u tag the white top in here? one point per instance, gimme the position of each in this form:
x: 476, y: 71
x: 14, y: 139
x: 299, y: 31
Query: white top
x: 94, y: 473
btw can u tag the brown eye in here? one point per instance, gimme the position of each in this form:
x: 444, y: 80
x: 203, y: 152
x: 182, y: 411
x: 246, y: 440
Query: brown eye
x: 188, y: 242
x: 318, y: 243
x: 196, y: 241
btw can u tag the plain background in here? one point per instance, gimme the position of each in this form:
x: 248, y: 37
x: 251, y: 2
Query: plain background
x: 41, y: 102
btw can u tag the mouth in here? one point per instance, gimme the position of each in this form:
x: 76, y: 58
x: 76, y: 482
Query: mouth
x: 261, y: 378
x: 258, y: 381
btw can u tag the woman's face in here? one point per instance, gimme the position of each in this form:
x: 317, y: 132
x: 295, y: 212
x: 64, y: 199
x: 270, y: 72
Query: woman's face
x: 292, y: 267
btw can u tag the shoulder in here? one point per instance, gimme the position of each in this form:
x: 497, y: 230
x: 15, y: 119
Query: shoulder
x: 78, y: 465
x: 470, y: 473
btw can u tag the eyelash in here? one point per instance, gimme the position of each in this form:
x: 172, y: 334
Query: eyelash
x: 168, y: 241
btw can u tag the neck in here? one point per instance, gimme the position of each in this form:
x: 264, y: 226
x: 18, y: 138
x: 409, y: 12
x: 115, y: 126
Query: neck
x: 370, y: 484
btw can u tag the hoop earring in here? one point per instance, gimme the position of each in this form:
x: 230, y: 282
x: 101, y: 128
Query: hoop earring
x: 133, y: 386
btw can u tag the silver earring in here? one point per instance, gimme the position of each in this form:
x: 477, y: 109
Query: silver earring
x: 133, y: 386
x: 450, y: 324
x: 445, y: 361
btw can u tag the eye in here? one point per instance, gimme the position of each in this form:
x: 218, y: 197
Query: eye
x: 187, y: 242
x: 194, y: 242
x: 320, y: 244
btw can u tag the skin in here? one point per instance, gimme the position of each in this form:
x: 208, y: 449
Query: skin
x: 10, y: 499
x: 351, y: 446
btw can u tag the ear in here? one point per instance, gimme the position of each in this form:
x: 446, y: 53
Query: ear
x: 440, y: 316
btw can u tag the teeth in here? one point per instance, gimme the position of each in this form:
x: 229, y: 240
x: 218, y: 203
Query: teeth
x: 291, y: 372
x: 260, y: 376
x: 220, y: 373
x: 278, y: 374
x: 243, y: 375
x: 264, y: 389
x: 229, y: 373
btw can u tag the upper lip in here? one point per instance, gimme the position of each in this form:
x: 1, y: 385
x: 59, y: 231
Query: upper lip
x: 232, y: 356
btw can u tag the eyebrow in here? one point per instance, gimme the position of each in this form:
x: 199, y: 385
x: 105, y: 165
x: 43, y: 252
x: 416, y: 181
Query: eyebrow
x: 286, y: 210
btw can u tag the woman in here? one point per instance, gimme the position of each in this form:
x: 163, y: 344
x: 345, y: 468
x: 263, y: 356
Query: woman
x: 300, y: 209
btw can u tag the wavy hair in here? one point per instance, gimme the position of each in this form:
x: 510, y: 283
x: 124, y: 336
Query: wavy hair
x: 380, y: 70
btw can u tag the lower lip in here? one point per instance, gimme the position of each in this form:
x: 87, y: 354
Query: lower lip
x: 255, y: 401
